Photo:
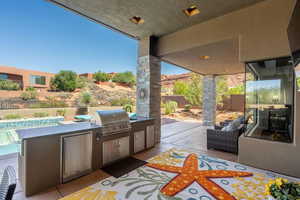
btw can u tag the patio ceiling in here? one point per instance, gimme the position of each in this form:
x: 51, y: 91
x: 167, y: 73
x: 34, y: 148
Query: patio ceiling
x: 219, y: 58
x: 160, y: 17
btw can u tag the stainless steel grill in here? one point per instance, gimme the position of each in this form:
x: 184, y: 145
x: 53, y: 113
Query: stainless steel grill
x: 114, y: 121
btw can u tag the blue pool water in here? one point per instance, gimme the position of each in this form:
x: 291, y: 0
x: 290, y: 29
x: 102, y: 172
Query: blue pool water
x: 9, y: 141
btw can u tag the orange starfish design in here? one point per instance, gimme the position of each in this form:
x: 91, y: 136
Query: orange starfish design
x: 190, y: 173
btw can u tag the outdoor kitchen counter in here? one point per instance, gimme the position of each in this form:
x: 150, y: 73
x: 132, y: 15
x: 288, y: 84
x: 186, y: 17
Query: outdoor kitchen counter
x: 65, y: 129
x: 55, y: 130
x: 42, y: 150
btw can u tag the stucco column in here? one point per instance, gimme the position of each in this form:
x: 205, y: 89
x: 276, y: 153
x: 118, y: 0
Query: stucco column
x: 209, y: 100
x: 148, y: 83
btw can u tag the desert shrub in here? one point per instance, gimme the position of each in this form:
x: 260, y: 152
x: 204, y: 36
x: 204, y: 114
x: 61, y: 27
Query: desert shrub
x: 187, y: 107
x: 81, y: 82
x: 12, y: 116
x: 85, y: 98
x: 128, y: 108
x: 101, y: 76
x: 30, y: 94
x: 9, y: 85
x: 40, y: 114
x: 64, y: 81
x: 124, y: 77
x: 170, y: 107
x: 121, y: 102
x: 112, y: 85
x: 61, y: 112
x: 65, y: 95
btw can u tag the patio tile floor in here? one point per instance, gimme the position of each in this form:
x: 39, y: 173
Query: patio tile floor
x: 190, y: 137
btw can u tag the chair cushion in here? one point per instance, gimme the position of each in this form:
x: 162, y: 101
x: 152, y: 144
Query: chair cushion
x: 232, y: 126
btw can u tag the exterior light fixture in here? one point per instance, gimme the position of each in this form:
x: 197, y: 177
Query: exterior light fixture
x: 191, y: 11
x: 204, y: 57
x: 137, y: 20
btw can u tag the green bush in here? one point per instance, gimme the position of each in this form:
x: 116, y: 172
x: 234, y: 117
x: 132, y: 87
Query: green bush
x: 298, y: 83
x: 180, y: 88
x: 221, y: 88
x: 124, y: 77
x: 170, y: 107
x: 30, y: 94
x: 40, y: 114
x: 65, y: 81
x: 61, y: 112
x: 128, y: 108
x: 9, y: 85
x: 101, y: 76
x: 121, y: 102
x: 195, y: 90
x: 240, y: 89
x: 12, y: 116
x: 187, y: 107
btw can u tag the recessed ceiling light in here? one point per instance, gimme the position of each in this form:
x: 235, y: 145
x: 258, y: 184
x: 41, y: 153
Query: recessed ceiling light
x: 137, y: 20
x: 204, y: 57
x: 191, y: 11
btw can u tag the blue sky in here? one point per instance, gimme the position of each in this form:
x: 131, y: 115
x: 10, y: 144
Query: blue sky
x: 38, y: 35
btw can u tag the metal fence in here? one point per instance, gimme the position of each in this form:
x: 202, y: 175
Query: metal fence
x: 20, y: 104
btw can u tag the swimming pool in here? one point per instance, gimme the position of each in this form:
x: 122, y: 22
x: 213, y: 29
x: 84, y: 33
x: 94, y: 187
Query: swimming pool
x: 9, y: 140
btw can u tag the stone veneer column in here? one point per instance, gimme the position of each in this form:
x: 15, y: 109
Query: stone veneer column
x: 209, y: 100
x: 148, y: 84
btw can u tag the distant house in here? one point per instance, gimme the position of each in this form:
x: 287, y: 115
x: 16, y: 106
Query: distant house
x: 88, y: 76
x: 27, y: 78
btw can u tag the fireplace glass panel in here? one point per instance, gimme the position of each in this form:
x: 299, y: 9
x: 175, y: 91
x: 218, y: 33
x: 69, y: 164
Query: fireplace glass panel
x: 269, y: 99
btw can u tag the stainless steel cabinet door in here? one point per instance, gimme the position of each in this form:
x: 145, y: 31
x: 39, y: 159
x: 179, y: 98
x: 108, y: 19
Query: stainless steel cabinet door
x: 123, y: 146
x: 76, y: 155
x: 115, y: 149
x: 139, y: 141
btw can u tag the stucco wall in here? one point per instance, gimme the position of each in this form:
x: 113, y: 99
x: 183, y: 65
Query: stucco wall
x: 261, y: 30
x: 275, y: 156
x: 262, y: 33
x: 26, y: 75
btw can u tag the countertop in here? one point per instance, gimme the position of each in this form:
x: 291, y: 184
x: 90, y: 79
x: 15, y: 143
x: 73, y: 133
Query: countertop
x: 55, y: 130
x: 63, y: 129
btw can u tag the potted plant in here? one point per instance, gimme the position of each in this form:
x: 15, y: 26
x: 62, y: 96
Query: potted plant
x: 281, y: 189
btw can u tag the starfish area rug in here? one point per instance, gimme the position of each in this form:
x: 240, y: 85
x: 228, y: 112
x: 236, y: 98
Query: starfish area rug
x: 183, y: 175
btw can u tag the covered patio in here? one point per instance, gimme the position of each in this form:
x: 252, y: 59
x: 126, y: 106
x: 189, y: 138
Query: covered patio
x: 219, y: 40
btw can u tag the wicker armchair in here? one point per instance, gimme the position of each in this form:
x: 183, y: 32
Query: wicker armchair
x: 224, y: 140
